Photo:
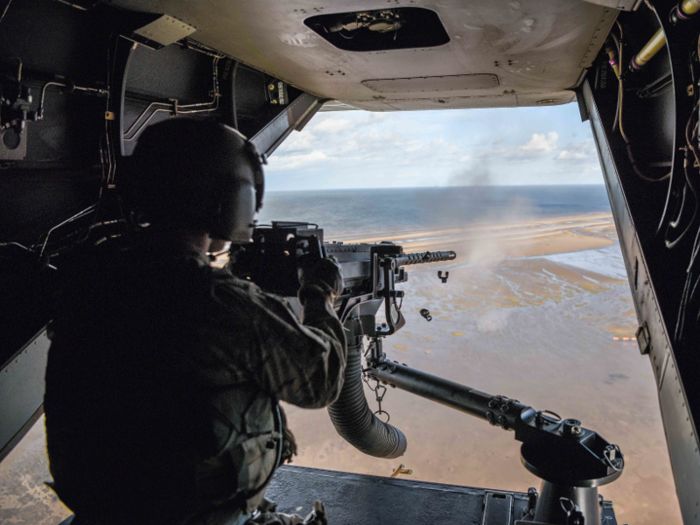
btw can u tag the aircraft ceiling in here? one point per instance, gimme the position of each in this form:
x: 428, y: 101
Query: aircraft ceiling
x: 500, y: 53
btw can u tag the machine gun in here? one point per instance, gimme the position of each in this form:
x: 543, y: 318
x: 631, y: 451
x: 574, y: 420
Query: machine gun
x: 370, y: 275
x: 370, y: 271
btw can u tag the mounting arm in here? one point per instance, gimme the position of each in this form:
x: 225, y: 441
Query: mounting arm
x: 571, y: 460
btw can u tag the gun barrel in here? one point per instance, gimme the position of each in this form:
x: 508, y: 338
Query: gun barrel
x: 425, y: 257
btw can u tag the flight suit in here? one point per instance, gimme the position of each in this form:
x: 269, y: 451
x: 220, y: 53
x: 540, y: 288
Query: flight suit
x: 163, y: 379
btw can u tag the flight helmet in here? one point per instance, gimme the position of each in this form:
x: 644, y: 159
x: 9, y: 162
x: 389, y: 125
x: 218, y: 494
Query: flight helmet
x: 197, y: 175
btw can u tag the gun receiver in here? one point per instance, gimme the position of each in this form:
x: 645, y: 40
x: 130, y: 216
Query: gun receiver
x: 370, y: 271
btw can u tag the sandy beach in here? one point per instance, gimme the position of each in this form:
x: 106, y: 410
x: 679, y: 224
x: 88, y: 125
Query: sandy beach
x: 536, y: 310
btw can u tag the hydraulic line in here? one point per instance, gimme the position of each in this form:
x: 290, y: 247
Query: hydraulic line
x: 70, y: 219
x: 620, y: 105
x: 655, y: 44
x: 73, y: 87
x: 4, y: 11
x: 610, y: 49
x: 233, y: 95
x: 175, y: 108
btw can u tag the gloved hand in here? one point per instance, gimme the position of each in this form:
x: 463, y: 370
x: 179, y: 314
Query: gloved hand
x: 316, y: 517
x: 324, y: 274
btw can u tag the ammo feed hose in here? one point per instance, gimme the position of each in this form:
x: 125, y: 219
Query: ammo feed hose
x: 354, y: 420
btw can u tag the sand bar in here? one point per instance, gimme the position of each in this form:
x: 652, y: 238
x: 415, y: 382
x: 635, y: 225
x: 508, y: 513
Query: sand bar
x: 509, y: 239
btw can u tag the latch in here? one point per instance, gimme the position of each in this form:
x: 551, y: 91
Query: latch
x: 644, y: 339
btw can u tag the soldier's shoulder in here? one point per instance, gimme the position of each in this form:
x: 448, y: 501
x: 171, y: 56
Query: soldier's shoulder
x: 244, y: 290
x: 228, y: 284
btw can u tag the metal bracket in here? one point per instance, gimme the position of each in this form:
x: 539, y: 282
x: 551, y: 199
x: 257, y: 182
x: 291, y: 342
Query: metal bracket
x: 498, y: 508
x: 274, y: 132
x: 165, y: 30
x: 644, y: 339
x: 22, y: 391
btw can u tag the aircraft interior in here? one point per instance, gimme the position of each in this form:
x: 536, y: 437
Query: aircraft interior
x: 82, y: 79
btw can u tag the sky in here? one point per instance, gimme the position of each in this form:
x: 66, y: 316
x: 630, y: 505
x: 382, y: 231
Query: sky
x: 504, y: 146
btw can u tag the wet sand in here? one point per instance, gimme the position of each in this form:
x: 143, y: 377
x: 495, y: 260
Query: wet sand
x: 515, y: 320
x: 531, y: 310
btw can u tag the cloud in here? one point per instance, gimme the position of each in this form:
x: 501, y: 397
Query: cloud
x: 298, y: 143
x: 567, y: 154
x: 332, y: 125
x: 369, y: 142
x: 538, y: 146
x: 285, y: 162
x: 541, y: 143
x: 578, y: 152
x: 436, y: 148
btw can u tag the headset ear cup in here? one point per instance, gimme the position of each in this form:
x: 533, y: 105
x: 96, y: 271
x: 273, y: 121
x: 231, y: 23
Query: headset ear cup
x: 234, y: 218
x: 238, y: 203
x: 256, y: 162
x: 242, y: 231
x: 259, y: 189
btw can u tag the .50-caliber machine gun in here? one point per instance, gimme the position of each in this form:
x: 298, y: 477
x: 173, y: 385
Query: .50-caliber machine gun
x: 571, y: 460
x: 370, y: 275
x: 370, y: 271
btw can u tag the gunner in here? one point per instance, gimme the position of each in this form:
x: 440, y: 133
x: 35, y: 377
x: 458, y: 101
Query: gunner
x: 164, y: 373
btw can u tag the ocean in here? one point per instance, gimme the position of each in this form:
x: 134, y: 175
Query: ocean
x: 349, y: 213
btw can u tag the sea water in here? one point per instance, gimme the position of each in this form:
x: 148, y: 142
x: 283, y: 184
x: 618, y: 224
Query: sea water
x: 347, y: 213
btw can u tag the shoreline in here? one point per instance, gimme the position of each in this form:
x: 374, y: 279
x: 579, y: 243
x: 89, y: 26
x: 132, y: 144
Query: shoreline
x: 476, y: 227
x: 526, y: 238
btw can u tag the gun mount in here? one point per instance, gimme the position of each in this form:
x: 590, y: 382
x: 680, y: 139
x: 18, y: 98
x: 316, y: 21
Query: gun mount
x: 571, y: 460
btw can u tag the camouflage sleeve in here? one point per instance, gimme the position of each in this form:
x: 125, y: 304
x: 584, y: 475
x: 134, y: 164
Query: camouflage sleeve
x: 300, y: 363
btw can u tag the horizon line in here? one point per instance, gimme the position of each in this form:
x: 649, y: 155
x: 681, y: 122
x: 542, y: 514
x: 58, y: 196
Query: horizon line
x: 436, y: 187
